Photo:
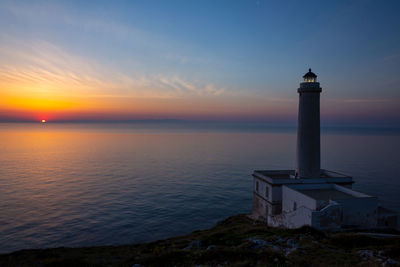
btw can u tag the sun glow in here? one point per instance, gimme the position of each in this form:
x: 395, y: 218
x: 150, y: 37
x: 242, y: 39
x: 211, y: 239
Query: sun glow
x: 43, y: 121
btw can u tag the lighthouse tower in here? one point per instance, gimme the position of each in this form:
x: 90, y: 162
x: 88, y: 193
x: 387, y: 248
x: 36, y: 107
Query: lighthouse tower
x: 308, y: 163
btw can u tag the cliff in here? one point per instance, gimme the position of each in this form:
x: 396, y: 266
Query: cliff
x: 236, y: 241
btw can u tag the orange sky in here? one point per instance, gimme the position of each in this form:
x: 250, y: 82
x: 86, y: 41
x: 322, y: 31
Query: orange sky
x: 55, y: 85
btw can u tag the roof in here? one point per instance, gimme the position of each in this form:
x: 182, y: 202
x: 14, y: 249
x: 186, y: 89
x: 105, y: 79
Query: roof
x: 325, y: 194
x: 310, y: 74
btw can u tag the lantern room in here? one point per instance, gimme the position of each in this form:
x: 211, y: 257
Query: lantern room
x: 310, y: 77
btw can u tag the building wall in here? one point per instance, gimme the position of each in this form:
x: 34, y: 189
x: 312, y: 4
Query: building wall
x: 275, y: 205
x: 293, y: 200
x: 259, y: 208
x: 387, y: 219
x: 359, y: 212
x: 267, y: 199
x: 292, y: 219
x: 298, y: 218
x: 276, y: 193
x: 329, y: 217
x: 263, y: 189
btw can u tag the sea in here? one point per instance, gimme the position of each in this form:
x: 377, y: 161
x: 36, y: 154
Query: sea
x: 89, y: 184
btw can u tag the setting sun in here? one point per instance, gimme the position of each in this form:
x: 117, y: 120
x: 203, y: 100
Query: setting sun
x: 43, y: 121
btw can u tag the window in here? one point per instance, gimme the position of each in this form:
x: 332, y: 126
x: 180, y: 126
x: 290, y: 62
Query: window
x: 310, y: 79
x: 266, y: 192
x: 294, y: 205
x: 257, y: 186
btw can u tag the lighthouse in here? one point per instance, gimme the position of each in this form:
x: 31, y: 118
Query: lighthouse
x: 308, y: 160
x: 307, y: 194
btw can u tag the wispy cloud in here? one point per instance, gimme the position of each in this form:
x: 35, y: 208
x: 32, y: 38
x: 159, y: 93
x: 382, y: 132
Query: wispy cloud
x: 42, y: 66
x: 159, y: 44
x: 390, y: 57
x: 367, y: 100
x: 182, y: 87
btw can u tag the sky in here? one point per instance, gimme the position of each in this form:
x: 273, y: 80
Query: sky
x: 198, y: 60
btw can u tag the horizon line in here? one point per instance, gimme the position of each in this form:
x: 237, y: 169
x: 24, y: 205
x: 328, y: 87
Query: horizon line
x: 289, y: 123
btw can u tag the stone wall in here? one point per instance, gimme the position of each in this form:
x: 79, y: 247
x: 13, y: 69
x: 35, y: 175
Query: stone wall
x: 259, y: 208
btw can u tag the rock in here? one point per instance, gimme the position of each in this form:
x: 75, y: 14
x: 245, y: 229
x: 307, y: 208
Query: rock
x: 193, y: 244
x: 276, y: 248
x: 390, y: 262
x: 379, y: 257
x: 287, y: 251
x: 260, y: 243
x: 292, y: 243
x: 280, y: 240
x: 291, y: 246
x: 366, y: 254
x: 301, y: 237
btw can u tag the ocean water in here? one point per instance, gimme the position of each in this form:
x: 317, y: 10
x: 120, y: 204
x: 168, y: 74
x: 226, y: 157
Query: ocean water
x: 106, y: 184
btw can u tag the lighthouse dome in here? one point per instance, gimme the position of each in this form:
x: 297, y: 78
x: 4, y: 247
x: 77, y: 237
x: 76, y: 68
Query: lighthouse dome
x: 310, y: 77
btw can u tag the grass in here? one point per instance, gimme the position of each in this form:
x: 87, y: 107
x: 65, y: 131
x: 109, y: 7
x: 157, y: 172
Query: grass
x: 236, y: 241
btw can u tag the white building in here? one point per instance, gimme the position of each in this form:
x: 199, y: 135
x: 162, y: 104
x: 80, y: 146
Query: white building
x: 310, y: 195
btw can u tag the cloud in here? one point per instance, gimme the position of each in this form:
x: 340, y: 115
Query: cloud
x: 183, y: 87
x: 366, y: 100
x: 392, y: 57
x: 44, y: 67
x: 54, y: 14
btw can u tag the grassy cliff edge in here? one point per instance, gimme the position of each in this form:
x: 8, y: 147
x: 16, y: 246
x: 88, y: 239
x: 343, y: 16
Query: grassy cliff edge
x: 236, y: 241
